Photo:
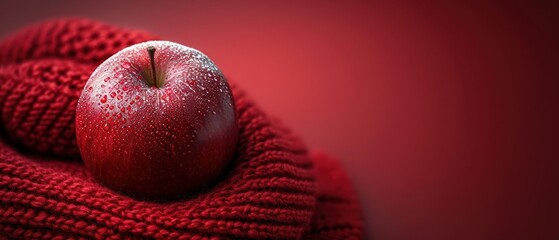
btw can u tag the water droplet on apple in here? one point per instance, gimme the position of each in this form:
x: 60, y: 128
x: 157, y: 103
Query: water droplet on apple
x: 165, y: 97
x: 125, y: 65
x: 118, y: 75
x: 107, y: 127
x: 111, y: 107
x: 192, y: 82
x: 102, y: 85
x: 89, y: 88
x: 104, y: 99
x: 107, y: 79
x: 119, y: 97
x: 113, y: 94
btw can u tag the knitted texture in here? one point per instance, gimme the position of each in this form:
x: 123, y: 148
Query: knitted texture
x: 275, y: 188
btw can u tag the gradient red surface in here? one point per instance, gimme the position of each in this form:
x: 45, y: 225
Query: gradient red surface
x: 444, y: 115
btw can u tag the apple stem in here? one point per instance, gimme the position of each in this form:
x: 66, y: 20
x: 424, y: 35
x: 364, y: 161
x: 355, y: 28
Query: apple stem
x: 151, y: 51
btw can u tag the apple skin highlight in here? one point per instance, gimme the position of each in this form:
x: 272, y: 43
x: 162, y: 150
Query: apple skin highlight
x: 157, y: 141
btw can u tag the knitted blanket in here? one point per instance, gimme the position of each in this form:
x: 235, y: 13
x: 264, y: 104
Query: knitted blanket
x: 275, y: 188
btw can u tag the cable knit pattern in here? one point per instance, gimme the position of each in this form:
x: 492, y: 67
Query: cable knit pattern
x: 274, y: 190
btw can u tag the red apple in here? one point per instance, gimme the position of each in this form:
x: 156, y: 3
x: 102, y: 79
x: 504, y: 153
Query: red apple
x: 156, y: 121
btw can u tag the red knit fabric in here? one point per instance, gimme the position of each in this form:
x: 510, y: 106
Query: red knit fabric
x: 274, y: 190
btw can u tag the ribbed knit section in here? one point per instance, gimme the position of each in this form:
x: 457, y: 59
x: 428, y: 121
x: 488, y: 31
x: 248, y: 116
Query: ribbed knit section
x: 274, y: 189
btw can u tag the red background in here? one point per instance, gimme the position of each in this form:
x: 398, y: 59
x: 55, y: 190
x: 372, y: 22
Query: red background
x: 444, y: 115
